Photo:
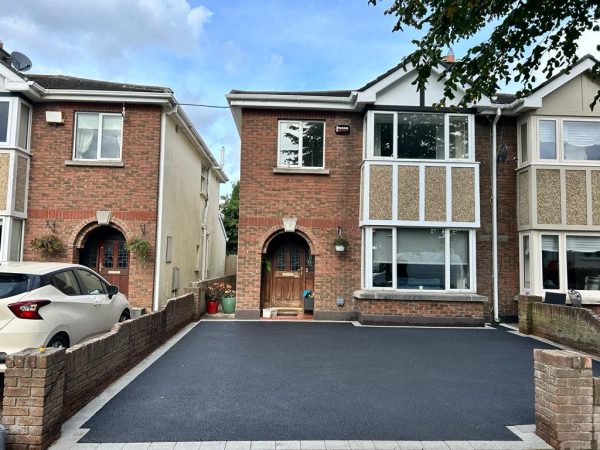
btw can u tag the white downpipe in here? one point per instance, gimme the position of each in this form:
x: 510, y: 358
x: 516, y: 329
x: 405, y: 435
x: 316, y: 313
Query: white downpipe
x: 161, y: 185
x: 495, y: 218
x: 205, y: 227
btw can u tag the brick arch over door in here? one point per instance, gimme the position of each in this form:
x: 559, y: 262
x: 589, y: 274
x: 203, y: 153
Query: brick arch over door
x: 87, y: 226
x: 271, y: 234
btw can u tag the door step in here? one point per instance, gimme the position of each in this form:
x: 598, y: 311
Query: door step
x: 283, y: 313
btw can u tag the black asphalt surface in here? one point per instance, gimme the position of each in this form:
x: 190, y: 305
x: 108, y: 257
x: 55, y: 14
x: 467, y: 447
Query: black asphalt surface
x: 246, y: 381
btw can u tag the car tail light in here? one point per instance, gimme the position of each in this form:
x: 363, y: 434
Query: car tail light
x: 28, y: 309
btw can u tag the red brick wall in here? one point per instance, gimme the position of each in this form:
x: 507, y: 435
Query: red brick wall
x: 70, y: 196
x: 508, y: 236
x: 320, y: 202
x: 410, y: 308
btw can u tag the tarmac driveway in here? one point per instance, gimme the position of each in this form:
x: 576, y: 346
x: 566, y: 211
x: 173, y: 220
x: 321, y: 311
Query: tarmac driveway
x: 241, y: 381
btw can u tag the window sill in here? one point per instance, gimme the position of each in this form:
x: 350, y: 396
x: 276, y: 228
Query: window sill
x: 94, y: 163
x: 300, y: 171
x: 419, y: 296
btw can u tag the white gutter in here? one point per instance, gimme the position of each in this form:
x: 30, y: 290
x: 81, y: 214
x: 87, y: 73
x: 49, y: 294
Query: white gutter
x: 495, y: 218
x: 159, y: 219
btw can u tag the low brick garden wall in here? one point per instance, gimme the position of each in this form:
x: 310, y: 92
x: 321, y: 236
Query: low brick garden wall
x: 567, y: 400
x: 578, y: 328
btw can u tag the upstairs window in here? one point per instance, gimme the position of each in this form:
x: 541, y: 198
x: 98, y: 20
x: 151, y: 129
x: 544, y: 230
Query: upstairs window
x: 98, y: 136
x: 301, y: 143
x: 523, y: 142
x: 421, y: 136
x: 547, y: 139
x: 581, y: 140
x: 24, y: 124
x: 4, y: 108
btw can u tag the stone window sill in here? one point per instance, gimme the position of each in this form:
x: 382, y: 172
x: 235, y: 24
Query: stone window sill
x: 300, y: 171
x: 419, y: 296
x: 81, y: 163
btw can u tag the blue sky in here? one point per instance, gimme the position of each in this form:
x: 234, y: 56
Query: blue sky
x: 203, y: 49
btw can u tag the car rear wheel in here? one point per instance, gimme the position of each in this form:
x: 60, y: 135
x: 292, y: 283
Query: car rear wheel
x: 124, y: 316
x: 58, y: 341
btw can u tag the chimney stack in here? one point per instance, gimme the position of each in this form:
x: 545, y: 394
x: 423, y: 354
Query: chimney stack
x: 449, y: 58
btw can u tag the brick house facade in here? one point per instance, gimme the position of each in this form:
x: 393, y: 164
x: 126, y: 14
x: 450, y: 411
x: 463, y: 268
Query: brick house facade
x: 99, y: 164
x: 291, y: 209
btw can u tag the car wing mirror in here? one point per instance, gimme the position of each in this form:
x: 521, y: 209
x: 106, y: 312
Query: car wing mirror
x: 112, y: 290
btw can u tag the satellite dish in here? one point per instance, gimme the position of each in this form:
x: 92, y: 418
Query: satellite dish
x: 20, y: 62
x: 502, y: 151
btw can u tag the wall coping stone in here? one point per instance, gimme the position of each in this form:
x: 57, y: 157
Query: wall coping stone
x: 418, y: 296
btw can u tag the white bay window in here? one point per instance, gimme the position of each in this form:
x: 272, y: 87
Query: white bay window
x: 426, y: 259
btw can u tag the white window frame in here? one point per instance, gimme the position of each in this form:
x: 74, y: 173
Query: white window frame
x: 370, y: 141
x: 522, y: 162
x: 557, y: 137
x: 18, y: 126
x: 522, y: 288
x: 562, y: 274
x: 561, y: 146
x: 99, y: 144
x: 301, y: 127
x: 14, y: 117
x: 8, y: 223
x: 368, y: 261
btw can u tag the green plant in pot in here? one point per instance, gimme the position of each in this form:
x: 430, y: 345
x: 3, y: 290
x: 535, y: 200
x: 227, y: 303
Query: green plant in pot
x: 223, y: 293
x: 140, y: 247
x: 50, y: 244
x: 340, y: 243
x: 228, y: 300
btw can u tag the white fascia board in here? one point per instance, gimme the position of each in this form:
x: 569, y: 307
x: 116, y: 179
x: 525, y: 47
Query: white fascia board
x: 577, y: 70
x: 292, y: 102
x: 106, y: 96
x: 236, y: 112
x: 10, y: 76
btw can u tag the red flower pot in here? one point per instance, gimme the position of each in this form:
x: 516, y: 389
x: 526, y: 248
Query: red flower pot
x: 212, y: 307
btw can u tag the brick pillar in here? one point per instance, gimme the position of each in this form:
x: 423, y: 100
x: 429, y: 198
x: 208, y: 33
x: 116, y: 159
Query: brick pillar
x: 198, y: 290
x: 33, y: 398
x: 596, y: 418
x: 564, y: 397
x: 526, y: 312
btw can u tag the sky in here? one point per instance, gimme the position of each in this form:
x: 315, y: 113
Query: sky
x: 202, y: 49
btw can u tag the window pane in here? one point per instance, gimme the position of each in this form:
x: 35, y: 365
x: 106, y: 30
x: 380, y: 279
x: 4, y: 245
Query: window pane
x: 122, y: 256
x: 421, y: 259
x: 289, y: 143
x: 3, y: 121
x: 382, y: 258
x: 459, y: 137
x: 66, y: 283
x: 91, y: 283
x: 583, y: 263
x: 526, y: 264
x: 550, y: 262
x: 384, y: 135
x: 111, y: 137
x: 15, y: 240
x: 459, y: 260
x: 312, y: 144
x: 547, y: 138
x: 581, y: 140
x: 23, y: 126
x: 86, y: 136
x: 524, y: 149
x: 421, y: 136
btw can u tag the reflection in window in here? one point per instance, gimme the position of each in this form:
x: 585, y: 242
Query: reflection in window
x: 459, y: 137
x: 384, y: 135
x: 301, y: 149
x: 547, y: 138
x: 459, y: 260
x: 421, y: 259
x: 550, y: 262
x: 382, y: 258
x: 583, y: 263
x: 524, y: 149
x: 4, y: 106
x: 581, y: 140
x: 312, y: 144
x: 421, y: 136
x: 108, y: 256
x: 526, y: 264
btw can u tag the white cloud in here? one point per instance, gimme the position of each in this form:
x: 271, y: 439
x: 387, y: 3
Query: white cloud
x: 109, y: 33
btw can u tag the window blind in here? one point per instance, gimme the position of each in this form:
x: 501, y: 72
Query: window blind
x: 584, y: 244
x: 581, y: 134
x: 550, y: 243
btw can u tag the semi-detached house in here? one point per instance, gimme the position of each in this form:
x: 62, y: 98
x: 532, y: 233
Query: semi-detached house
x: 449, y: 213
x: 99, y: 164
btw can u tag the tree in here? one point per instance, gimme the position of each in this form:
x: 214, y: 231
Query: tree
x: 230, y: 211
x: 529, y: 36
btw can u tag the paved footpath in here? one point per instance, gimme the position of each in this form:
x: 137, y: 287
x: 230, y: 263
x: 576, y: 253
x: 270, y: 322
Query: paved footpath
x: 75, y: 430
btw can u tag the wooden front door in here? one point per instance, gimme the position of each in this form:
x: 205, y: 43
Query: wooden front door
x: 292, y: 271
x: 113, y: 263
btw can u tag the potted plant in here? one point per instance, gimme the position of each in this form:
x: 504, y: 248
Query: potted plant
x: 140, y: 247
x: 214, y: 293
x: 49, y: 244
x: 228, y: 299
x: 309, y: 300
x: 340, y: 243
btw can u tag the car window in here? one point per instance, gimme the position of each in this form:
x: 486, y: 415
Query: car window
x: 66, y: 283
x: 13, y: 284
x: 91, y: 283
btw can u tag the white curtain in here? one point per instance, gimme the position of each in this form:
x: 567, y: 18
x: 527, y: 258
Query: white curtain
x: 87, y: 135
x: 584, y: 244
x: 581, y: 134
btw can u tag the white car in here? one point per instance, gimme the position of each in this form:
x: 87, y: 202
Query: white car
x: 54, y: 305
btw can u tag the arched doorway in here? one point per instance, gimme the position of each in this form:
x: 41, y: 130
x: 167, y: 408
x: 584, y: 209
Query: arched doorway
x: 288, y: 270
x: 104, y: 251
